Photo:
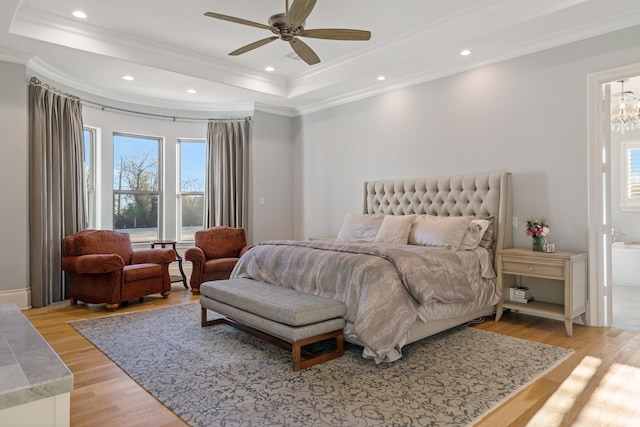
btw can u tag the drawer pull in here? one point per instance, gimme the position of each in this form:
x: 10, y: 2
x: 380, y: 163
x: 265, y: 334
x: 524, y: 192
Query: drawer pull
x: 530, y: 268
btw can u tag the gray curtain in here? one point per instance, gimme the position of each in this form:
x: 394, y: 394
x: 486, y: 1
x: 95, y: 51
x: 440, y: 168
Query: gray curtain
x: 226, y: 186
x: 56, y: 187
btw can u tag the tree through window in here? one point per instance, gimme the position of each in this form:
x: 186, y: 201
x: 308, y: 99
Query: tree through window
x: 136, y: 186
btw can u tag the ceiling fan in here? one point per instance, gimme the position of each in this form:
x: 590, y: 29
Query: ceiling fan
x: 289, y: 26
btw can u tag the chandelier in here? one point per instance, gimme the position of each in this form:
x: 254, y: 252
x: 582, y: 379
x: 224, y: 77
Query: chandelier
x: 625, y: 111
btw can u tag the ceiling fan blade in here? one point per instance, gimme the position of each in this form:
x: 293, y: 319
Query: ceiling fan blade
x: 304, y: 51
x: 299, y: 11
x: 336, y: 34
x: 253, y: 45
x: 237, y: 20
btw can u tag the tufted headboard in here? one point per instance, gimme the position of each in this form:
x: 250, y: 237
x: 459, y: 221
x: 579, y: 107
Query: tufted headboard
x: 480, y: 195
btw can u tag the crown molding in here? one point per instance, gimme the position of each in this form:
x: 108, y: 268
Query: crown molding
x: 274, y: 109
x: 316, y: 88
x: 549, y: 41
x: 74, y: 85
x: 81, y: 36
x: 14, y: 56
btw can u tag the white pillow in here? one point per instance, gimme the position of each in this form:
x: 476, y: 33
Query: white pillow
x: 447, y: 231
x: 474, y: 234
x: 360, y: 227
x: 395, y: 229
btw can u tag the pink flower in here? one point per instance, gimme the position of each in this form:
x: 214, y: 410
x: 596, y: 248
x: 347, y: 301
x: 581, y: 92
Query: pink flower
x: 536, y: 228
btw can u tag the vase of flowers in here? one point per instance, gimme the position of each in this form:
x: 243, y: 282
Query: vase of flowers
x: 538, y: 229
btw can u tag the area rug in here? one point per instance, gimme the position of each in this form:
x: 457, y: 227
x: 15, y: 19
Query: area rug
x: 221, y: 376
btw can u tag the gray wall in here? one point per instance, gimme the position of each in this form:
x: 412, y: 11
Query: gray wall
x: 14, y: 215
x: 272, y: 177
x: 527, y: 116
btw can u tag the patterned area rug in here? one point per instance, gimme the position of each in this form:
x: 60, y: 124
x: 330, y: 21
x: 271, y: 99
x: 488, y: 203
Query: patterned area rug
x: 221, y: 376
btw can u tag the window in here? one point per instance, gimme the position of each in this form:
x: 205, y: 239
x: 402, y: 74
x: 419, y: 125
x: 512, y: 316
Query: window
x: 630, y: 175
x: 136, y: 186
x: 89, y: 135
x: 191, y: 187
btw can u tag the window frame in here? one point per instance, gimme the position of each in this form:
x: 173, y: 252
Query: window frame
x: 159, y: 192
x: 179, y: 192
x: 628, y: 204
x: 90, y: 180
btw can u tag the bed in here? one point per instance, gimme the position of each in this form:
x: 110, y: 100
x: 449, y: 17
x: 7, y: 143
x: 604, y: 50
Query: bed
x: 418, y: 260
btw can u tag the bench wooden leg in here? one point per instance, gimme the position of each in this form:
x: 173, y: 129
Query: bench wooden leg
x: 313, y: 359
x: 302, y: 358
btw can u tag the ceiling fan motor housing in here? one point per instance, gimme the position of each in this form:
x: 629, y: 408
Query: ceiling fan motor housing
x: 281, y: 27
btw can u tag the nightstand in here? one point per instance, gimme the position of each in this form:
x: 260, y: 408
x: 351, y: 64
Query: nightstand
x: 567, y: 269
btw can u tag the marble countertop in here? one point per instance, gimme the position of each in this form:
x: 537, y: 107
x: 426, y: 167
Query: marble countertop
x: 29, y: 368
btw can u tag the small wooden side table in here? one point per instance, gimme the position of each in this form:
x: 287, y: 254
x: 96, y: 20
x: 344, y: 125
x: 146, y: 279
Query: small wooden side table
x: 163, y: 244
x: 565, y: 268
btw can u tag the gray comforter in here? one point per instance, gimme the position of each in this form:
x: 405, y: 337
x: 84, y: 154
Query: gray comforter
x: 385, y: 287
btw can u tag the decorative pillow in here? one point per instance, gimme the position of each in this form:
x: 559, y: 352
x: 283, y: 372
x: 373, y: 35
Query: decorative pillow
x: 360, y: 227
x: 395, y: 229
x: 474, y: 234
x: 487, y: 239
x: 447, y: 231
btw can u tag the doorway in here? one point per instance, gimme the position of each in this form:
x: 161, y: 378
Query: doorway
x: 609, y: 305
x: 625, y: 204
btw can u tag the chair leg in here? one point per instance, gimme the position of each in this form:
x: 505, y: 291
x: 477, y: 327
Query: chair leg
x: 73, y: 301
x: 112, y: 307
x: 165, y: 294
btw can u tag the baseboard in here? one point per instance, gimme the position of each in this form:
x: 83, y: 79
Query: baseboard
x: 20, y: 297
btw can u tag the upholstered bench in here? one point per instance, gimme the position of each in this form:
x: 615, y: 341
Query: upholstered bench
x: 284, y: 317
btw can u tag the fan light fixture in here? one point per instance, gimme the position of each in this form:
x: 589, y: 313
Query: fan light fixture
x: 625, y: 111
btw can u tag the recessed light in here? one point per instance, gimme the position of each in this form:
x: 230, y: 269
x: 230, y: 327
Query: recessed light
x: 128, y: 78
x: 192, y: 91
x: 381, y: 78
x: 269, y: 68
x: 465, y: 52
x: 79, y: 14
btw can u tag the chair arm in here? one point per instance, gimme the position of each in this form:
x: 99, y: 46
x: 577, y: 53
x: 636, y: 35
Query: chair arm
x: 153, y: 256
x: 92, y: 264
x: 245, y: 249
x: 195, y: 254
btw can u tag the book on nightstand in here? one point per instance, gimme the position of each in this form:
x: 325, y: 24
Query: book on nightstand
x: 520, y: 294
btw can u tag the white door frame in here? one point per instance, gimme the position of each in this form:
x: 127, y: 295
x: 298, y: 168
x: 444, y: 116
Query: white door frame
x: 597, y: 315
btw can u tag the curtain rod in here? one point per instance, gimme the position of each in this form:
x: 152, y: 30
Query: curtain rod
x: 36, y: 82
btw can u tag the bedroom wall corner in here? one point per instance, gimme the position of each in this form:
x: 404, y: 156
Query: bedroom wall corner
x: 14, y: 167
x: 272, y: 182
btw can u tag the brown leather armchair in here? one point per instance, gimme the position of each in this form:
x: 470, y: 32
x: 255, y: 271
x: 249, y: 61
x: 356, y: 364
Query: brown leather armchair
x: 102, y: 267
x: 217, y: 251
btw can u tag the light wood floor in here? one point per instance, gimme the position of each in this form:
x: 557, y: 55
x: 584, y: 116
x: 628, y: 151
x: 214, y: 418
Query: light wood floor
x: 103, y: 395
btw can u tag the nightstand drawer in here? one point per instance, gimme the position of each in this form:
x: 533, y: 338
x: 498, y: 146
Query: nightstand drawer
x: 533, y: 269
